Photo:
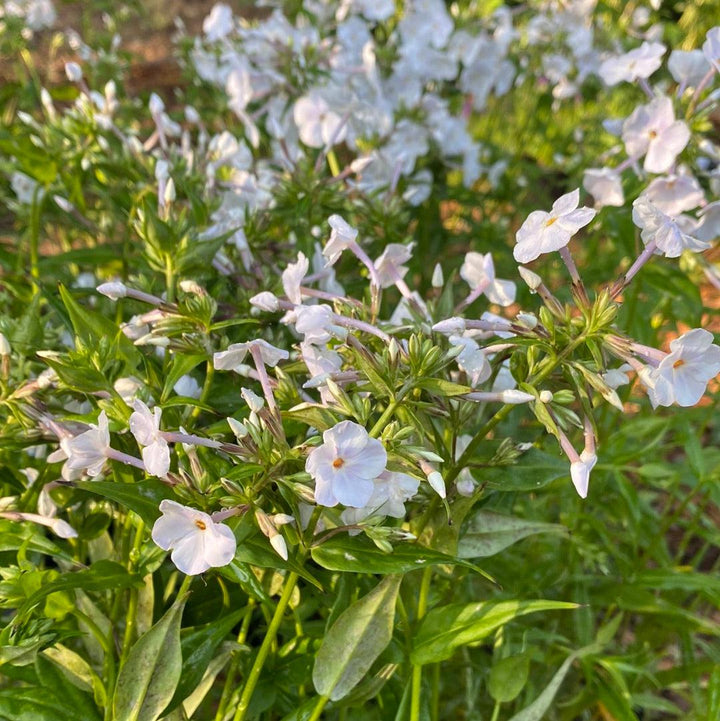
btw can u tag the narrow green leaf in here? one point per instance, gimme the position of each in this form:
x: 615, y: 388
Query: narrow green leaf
x: 143, y: 498
x: 359, y: 555
x: 149, y: 676
x: 489, y: 533
x: 447, y: 628
x: 355, y: 640
x: 713, y: 696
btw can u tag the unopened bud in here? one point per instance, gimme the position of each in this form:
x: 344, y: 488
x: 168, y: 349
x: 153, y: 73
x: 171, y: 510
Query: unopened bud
x: 63, y: 529
x: 438, y: 280
x: 169, y: 195
x: 73, y: 72
x: 5, y: 348
x: 279, y: 545
x: 238, y: 429
x: 451, y: 326
x: 283, y: 519
x: 437, y: 483
x: 527, y: 320
x: 393, y: 350
x: 515, y: 397
x: 156, y: 104
x: 533, y: 280
x: 546, y: 396
x: 266, y: 301
x: 113, y: 290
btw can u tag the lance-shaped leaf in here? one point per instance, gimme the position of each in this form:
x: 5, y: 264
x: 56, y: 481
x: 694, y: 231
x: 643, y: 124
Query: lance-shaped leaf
x: 355, y: 640
x: 489, y: 533
x: 149, y: 676
x: 447, y: 628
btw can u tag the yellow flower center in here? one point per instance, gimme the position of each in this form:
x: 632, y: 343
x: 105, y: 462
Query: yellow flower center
x: 338, y: 463
x: 549, y: 222
x: 201, y: 524
x: 678, y: 363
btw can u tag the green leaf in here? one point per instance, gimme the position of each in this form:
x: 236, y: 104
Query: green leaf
x: 198, y: 648
x: 535, y: 470
x: 34, y: 704
x: 143, y: 497
x: 90, y: 326
x: 52, y: 679
x: 508, y: 677
x: 358, y: 555
x: 536, y: 710
x: 447, y: 628
x: 103, y: 575
x: 441, y: 387
x: 713, y: 695
x: 489, y: 533
x: 150, y: 675
x: 355, y: 640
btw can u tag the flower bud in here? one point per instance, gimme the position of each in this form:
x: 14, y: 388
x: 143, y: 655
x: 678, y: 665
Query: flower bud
x: 266, y: 301
x: 169, y: 195
x: 238, y: 429
x: 437, y: 483
x: 5, y: 348
x: 438, y: 279
x: 533, y: 280
x: 63, y: 529
x: 279, y: 545
x: 156, y: 104
x: 515, y: 397
x: 546, y: 396
x: 451, y: 326
x: 73, y: 72
x: 113, y: 290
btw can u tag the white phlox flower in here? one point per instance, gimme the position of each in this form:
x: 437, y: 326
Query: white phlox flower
x: 345, y: 465
x: 688, y: 67
x: 196, y: 541
x: 640, y: 62
x: 605, y: 186
x: 684, y: 373
x: 145, y: 426
x: 471, y: 359
x: 674, y: 194
x: 219, y: 23
x: 667, y: 233
x: 317, y: 323
x: 87, y: 452
x: 390, y: 266
x: 292, y: 278
x: 342, y: 237
x: 478, y: 271
x: 544, y: 232
x: 187, y: 386
x: 233, y: 357
x: 318, y: 125
x: 390, y: 492
x: 711, y: 47
x: 652, y: 131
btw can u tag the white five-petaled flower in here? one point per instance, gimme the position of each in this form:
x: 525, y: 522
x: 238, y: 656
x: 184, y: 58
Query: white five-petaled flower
x: 667, y: 233
x: 640, y: 62
x: 345, y: 465
x: 471, y: 359
x: 233, y: 357
x: 390, y: 266
x: 342, y: 236
x: 292, y: 278
x: 145, y: 426
x: 317, y: 323
x: 87, y: 452
x: 652, y: 131
x: 605, y: 185
x: 545, y: 232
x: 390, y: 491
x: 317, y: 124
x: 196, y: 541
x: 683, y: 374
x: 478, y: 271
x: 711, y: 47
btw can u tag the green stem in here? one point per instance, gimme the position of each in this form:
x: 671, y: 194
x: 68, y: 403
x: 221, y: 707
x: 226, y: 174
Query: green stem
x: 169, y: 279
x: 333, y: 163
x: 319, y: 706
x: 268, y: 641
x: 416, y: 692
x: 209, y: 375
x: 384, y: 418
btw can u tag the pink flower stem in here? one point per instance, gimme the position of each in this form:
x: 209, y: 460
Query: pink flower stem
x: 652, y: 355
x: 634, y: 268
x: 256, y: 353
x: 489, y: 325
x: 362, y: 326
x: 643, y: 83
x: 698, y: 91
x: 474, y: 294
x: 314, y: 293
x: 189, y: 439
x: 125, y: 458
